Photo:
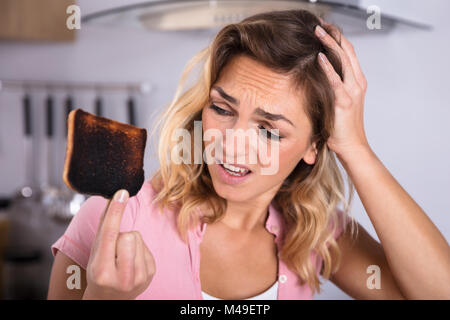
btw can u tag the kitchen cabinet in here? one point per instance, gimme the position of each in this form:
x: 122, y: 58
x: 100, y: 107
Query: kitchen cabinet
x: 43, y: 20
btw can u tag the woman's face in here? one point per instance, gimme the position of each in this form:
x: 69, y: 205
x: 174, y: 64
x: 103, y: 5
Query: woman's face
x: 249, y: 97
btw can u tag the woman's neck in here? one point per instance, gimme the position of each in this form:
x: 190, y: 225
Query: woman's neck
x: 249, y: 215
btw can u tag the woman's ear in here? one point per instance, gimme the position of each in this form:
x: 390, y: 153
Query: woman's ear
x: 311, y: 154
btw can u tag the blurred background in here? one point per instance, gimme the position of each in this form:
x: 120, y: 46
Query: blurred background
x: 125, y: 62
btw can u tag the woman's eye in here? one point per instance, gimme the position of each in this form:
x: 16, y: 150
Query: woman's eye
x: 220, y: 111
x: 269, y: 134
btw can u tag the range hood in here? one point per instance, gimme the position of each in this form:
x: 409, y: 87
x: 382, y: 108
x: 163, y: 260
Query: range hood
x: 179, y: 15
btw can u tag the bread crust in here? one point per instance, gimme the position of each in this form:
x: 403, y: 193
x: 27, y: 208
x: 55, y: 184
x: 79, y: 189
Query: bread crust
x: 69, y: 147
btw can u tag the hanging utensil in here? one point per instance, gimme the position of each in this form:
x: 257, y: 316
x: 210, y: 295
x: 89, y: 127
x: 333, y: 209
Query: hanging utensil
x: 131, y: 110
x: 29, y: 189
x: 99, y: 106
x: 49, y: 107
x: 69, y: 107
x: 50, y: 193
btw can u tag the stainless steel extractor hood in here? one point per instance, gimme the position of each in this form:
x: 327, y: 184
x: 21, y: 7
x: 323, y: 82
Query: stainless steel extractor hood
x: 178, y: 15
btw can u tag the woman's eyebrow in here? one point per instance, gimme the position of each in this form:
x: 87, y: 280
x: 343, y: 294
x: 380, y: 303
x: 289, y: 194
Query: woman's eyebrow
x: 226, y: 96
x: 258, y: 111
x: 271, y: 116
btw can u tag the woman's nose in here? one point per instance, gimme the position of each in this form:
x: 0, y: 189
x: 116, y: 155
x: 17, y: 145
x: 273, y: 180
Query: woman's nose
x: 239, y: 142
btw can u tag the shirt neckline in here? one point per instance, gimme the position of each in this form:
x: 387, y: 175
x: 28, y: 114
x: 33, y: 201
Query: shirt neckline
x: 274, y: 224
x: 273, y: 290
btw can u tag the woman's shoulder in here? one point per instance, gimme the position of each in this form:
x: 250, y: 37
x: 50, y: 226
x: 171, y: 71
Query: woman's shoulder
x: 341, y: 220
x: 146, y: 198
x: 146, y: 195
x: 156, y: 223
x: 146, y: 207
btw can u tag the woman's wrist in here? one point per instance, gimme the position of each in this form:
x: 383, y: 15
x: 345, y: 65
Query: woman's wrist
x: 355, y: 154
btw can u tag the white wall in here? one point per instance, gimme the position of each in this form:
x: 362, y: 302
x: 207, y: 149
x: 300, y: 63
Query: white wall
x: 406, y: 111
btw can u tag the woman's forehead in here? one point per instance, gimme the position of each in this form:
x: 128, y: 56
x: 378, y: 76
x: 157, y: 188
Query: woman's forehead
x: 246, y: 71
x: 251, y: 83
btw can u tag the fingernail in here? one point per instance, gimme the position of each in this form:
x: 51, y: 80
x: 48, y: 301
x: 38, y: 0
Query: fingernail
x: 320, y: 32
x: 121, y: 196
x: 322, y: 57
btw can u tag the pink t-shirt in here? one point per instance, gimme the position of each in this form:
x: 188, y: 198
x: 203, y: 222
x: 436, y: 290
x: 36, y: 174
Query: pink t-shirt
x: 177, y: 263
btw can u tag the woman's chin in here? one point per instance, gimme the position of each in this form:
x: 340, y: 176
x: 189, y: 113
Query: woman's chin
x: 234, y: 197
x: 231, y: 193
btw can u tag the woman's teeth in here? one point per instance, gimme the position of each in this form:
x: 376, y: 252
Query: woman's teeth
x: 235, y: 171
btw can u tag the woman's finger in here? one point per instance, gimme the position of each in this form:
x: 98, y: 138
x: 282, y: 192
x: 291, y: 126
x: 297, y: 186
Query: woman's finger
x: 140, y: 265
x: 350, y: 50
x: 327, y: 67
x: 109, y: 229
x: 342, y: 97
x: 126, y: 255
x: 347, y: 46
x: 332, y: 30
x: 150, y: 261
x: 329, y: 41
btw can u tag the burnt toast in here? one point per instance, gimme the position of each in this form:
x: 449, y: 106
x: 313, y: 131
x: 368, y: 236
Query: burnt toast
x: 103, y: 155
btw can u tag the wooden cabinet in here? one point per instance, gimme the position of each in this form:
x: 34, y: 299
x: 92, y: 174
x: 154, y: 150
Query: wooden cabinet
x: 35, y: 20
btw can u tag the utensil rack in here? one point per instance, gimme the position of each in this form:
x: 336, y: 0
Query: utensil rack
x: 137, y: 87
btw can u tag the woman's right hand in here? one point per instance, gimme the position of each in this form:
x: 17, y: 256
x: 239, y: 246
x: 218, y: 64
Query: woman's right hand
x: 120, y: 264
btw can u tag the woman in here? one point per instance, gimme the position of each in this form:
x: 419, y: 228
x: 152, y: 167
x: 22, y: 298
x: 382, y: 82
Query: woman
x: 225, y: 229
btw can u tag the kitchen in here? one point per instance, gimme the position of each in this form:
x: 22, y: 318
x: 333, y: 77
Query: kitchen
x: 126, y: 68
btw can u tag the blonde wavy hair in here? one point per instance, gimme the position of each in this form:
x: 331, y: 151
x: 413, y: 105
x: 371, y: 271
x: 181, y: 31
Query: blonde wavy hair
x: 308, y: 199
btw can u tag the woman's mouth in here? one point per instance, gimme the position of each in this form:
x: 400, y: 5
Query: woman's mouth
x: 233, y: 174
x: 235, y: 171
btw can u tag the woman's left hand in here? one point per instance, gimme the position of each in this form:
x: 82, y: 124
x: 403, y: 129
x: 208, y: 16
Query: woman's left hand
x: 348, y: 134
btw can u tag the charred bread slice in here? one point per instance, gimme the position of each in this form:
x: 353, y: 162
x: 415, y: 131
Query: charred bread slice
x: 103, y: 155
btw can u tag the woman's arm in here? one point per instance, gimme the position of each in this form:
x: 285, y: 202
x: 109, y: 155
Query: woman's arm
x: 58, y: 289
x: 357, y: 255
x: 417, y: 253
